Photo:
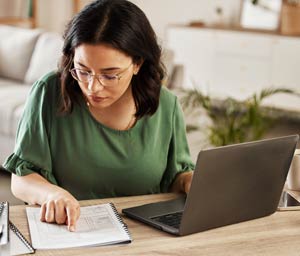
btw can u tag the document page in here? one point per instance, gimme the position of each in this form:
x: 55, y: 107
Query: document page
x: 97, y: 225
x: 17, y: 245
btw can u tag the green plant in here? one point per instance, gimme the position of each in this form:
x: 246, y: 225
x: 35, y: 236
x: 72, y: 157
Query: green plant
x: 234, y: 121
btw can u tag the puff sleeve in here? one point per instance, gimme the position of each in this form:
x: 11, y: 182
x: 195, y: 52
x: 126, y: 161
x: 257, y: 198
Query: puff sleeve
x: 32, y: 151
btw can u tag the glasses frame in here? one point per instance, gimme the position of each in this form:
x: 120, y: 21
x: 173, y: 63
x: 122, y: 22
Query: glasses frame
x: 118, y: 76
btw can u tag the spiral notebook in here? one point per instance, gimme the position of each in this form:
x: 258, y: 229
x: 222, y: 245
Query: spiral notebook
x: 12, y: 242
x: 98, y: 225
x: 4, y: 213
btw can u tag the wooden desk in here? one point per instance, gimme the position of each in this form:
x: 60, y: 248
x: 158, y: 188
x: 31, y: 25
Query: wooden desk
x: 277, y: 234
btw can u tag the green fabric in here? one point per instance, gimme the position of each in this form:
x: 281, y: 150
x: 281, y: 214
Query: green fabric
x: 91, y: 160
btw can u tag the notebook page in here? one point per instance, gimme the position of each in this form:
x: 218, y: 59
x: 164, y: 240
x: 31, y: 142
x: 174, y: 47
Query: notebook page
x: 4, y: 216
x: 15, y: 246
x: 97, y: 225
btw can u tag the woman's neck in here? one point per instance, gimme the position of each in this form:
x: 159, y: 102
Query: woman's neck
x: 119, y: 116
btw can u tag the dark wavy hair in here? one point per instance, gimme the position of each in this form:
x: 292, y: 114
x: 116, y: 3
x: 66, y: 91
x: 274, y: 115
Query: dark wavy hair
x: 123, y: 26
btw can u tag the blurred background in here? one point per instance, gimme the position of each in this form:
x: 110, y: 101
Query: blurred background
x: 234, y: 64
x: 224, y: 49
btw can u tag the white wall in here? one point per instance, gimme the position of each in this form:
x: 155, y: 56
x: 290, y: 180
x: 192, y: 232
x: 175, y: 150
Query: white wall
x: 164, y: 12
x: 54, y: 14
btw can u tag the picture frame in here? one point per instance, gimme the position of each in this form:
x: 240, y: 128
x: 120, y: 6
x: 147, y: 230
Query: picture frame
x: 260, y: 14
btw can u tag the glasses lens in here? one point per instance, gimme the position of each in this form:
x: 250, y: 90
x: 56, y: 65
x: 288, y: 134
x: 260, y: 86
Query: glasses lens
x: 85, y: 77
x: 108, y: 80
x: 80, y: 75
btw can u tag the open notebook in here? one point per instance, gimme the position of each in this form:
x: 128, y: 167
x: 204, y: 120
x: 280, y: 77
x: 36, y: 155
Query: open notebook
x: 97, y: 225
x: 12, y: 242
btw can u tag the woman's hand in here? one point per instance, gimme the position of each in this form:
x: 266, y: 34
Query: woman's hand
x: 183, y: 182
x: 187, y: 181
x: 61, y: 208
x: 57, y: 204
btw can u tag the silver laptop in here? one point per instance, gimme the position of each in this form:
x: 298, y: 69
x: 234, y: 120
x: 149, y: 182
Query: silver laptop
x: 231, y: 184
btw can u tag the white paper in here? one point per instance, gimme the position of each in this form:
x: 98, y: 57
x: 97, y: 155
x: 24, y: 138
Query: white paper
x: 4, y: 222
x: 15, y: 246
x: 97, y: 225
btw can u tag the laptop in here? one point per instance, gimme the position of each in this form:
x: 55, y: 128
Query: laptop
x: 231, y: 184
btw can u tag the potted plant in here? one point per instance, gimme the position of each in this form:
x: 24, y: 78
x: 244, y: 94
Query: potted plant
x: 234, y: 121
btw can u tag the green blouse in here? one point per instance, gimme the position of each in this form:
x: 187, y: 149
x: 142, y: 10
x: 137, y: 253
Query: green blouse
x: 91, y: 160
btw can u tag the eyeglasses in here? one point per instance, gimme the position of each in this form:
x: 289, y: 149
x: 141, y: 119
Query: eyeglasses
x: 106, y: 80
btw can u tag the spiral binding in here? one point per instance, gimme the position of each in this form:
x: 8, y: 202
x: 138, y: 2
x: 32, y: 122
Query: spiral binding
x: 20, y: 235
x: 118, y: 216
x: 1, y: 207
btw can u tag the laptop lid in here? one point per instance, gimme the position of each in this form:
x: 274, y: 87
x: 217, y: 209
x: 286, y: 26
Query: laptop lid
x: 231, y: 184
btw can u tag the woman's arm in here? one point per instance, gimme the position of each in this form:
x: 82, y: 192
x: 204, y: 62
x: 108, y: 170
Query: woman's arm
x: 57, y: 204
x: 182, y: 182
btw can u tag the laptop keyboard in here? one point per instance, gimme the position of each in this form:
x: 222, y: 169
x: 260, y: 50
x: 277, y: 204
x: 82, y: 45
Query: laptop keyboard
x: 171, y: 219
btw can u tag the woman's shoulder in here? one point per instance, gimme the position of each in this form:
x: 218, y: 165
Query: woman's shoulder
x: 48, y: 80
x: 167, y: 95
x: 49, y: 83
x: 46, y: 89
x: 50, y: 76
x: 167, y: 98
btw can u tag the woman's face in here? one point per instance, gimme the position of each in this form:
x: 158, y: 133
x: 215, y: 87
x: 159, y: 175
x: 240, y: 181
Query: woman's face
x: 103, y: 73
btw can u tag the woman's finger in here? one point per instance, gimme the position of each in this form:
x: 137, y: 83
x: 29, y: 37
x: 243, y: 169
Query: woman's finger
x: 73, y: 213
x: 50, y: 212
x: 60, y: 212
x: 43, y: 212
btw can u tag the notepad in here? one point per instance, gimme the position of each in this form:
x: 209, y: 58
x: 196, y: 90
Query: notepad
x: 98, y: 225
x: 4, y: 214
x: 18, y: 243
x: 12, y: 241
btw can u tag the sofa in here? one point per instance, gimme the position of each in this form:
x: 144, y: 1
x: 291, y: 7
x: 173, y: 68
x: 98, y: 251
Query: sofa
x: 26, y: 55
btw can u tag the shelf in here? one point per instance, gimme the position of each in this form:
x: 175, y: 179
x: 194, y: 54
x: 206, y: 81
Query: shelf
x: 200, y: 25
x: 31, y: 21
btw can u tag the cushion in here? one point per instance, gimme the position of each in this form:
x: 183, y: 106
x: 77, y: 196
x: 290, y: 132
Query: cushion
x: 45, y: 56
x: 12, y: 99
x: 16, y: 47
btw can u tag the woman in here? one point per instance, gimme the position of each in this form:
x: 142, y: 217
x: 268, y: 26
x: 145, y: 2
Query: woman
x: 101, y: 126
